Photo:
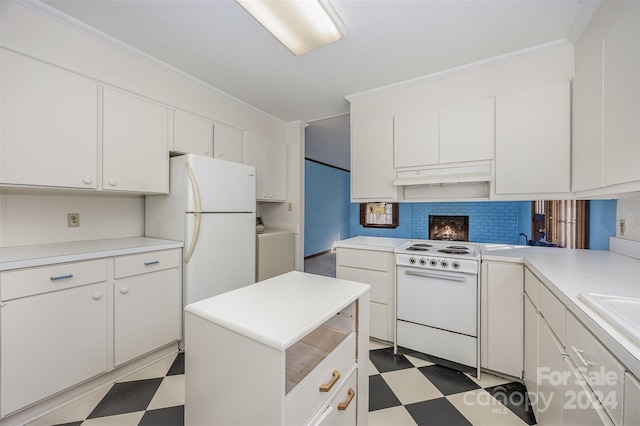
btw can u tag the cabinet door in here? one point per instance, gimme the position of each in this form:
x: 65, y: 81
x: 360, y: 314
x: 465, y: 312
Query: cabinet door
x: 551, y: 377
x: 530, y: 373
x: 227, y: 143
x: 580, y: 407
x: 51, y: 342
x: 192, y: 134
x: 586, y: 152
x: 372, y: 170
x: 256, y: 154
x: 277, y: 171
x: 533, y: 140
x: 631, y: 407
x: 415, y: 139
x: 135, y: 144
x: 504, y: 307
x: 622, y: 97
x: 49, y: 124
x: 467, y: 131
x: 147, y: 313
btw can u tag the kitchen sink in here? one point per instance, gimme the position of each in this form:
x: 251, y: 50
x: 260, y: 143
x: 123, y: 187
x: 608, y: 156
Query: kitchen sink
x: 621, y: 312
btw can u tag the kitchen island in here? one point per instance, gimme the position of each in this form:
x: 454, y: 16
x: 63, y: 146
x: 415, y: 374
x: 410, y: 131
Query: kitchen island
x: 292, y: 349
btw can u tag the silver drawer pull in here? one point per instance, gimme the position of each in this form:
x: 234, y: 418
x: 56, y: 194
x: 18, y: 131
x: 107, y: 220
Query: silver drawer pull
x: 61, y: 277
x: 579, y: 352
x: 152, y: 262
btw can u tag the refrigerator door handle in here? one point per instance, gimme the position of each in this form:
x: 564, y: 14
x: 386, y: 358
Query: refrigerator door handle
x: 196, y: 229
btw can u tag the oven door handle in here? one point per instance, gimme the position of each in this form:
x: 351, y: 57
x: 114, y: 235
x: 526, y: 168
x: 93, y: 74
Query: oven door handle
x: 440, y: 277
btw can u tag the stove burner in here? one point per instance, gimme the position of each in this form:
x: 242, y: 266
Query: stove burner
x: 422, y: 245
x: 417, y: 248
x: 458, y: 247
x: 454, y: 251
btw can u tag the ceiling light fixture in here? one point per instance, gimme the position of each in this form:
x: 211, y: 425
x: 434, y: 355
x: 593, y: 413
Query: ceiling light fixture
x: 301, y: 25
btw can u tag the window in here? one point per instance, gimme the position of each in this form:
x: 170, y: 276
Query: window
x: 561, y: 222
x: 379, y: 215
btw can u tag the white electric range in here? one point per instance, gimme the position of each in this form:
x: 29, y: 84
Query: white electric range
x: 437, y: 303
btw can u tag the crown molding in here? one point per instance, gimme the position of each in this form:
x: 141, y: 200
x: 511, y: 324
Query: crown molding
x: 54, y: 14
x: 468, y: 68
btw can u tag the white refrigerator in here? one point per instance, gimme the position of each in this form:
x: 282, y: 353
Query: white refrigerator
x: 211, y: 207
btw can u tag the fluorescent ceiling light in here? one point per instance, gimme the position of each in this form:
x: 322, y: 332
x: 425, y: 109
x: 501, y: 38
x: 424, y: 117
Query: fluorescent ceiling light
x: 301, y: 25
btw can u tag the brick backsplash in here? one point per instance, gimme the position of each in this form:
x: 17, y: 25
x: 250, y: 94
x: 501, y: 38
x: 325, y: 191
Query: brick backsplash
x: 489, y: 222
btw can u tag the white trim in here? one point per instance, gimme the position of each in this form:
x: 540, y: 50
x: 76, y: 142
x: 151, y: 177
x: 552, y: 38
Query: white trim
x: 77, y: 25
x: 467, y: 68
x: 583, y: 19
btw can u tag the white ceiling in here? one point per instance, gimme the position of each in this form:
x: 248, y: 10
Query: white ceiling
x: 387, y: 41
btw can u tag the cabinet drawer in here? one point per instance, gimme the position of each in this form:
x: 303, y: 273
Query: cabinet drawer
x: 365, y: 259
x: 142, y: 263
x: 378, y: 280
x: 553, y: 311
x: 304, y: 401
x: 342, y: 408
x: 27, y: 282
x: 602, y: 371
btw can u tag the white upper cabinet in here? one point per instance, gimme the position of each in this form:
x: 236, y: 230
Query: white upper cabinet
x: 135, y: 144
x: 49, y: 125
x: 416, y: 139
x: 606, y: 102
x: 270, y: 160
x: 621, y: 99
x: 467, y: 131
x: 372, y: 170
x: 533, y: 140
x: 587, y: 169
x: 455, y: 133
x: 192, y: 134
x: 227, y: 143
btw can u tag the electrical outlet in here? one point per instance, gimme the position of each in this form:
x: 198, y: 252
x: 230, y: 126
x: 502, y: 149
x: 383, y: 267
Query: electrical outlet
x: 290, y: 206
x: 73, y: 220
x: 623, y: 227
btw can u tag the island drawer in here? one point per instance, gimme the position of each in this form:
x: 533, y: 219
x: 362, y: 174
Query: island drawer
x: 342, y: 408
x: 317, y: 387
x: 27, y: 282
x: 602, y: 371
x: 136, y: 264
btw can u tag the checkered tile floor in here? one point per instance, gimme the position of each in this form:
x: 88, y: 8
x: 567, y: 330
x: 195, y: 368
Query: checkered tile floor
x: 404, y: 390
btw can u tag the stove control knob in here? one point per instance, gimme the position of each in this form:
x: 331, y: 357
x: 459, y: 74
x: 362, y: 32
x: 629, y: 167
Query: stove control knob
x: 433, y: 262
x: 444, y: 263
x: 412, y: 260
x: 456, y: 264
x: 423, y: 261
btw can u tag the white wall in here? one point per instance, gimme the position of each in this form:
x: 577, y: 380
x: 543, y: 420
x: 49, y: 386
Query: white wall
x: 35, y: 217
x: 629, y: 210
x: 30, y: 217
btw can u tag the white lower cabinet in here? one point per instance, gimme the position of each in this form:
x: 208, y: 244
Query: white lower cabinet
x: 53, y: 330
x: 57, y: 328
x: 631, y: 414
x: 570, y: 377
x: 502, y: 317
x: 376, y: 268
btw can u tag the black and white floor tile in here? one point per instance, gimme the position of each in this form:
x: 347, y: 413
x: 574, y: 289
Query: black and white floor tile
x: 404, y: 390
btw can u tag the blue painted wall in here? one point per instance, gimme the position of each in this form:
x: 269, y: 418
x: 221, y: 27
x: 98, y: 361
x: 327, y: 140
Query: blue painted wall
x: 602, y: 223
x: 326, y: 207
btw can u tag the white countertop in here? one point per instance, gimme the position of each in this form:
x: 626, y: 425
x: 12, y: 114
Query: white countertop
x: 371, y: 243
x: 269, y: 232
x: 47, y: 254
x: 279, y: 311
x: 567, y: 273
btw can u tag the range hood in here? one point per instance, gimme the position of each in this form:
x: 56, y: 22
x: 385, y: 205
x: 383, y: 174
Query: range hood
x: 480, y: 173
